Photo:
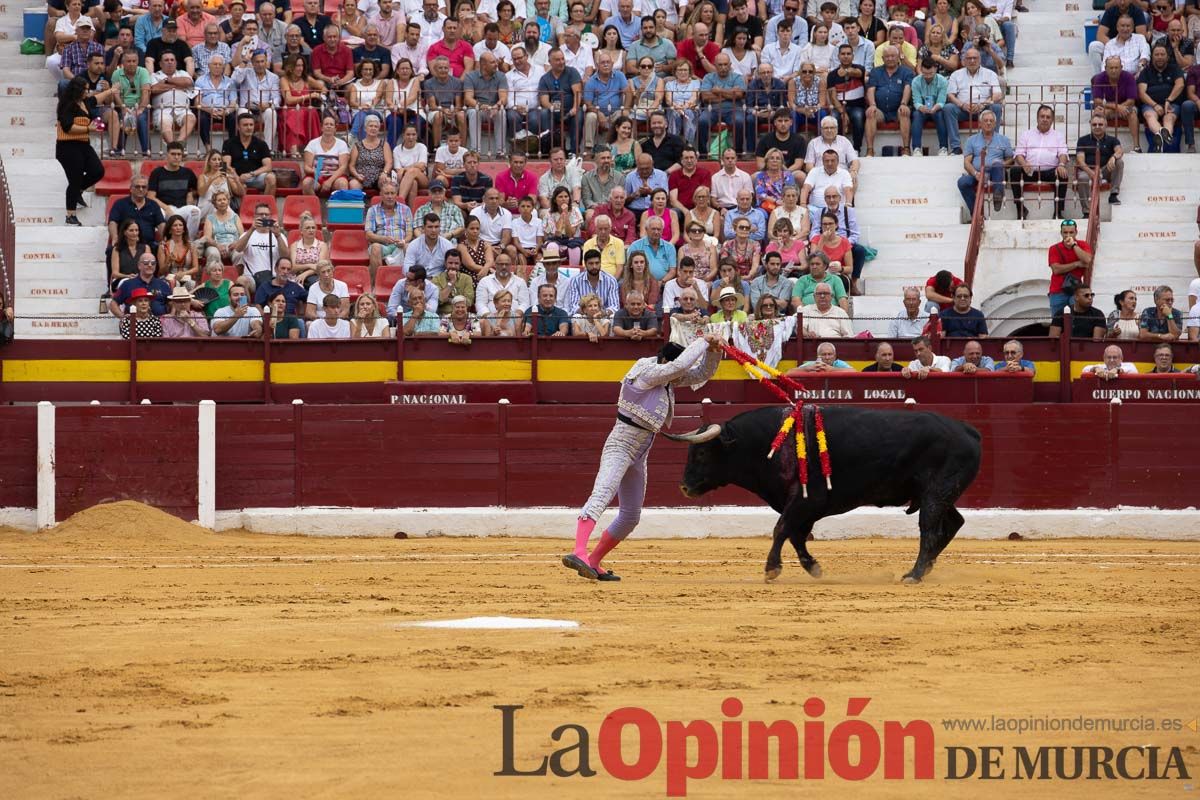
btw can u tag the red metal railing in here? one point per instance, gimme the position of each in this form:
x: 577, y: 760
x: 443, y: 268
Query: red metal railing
x: 8, y: 241
x: 976, y: 236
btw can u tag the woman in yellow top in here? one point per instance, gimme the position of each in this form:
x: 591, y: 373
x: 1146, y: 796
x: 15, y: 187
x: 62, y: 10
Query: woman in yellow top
x: 73, y: 148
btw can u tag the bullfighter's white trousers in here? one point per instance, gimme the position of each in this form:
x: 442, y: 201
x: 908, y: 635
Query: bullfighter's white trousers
x: 622, y: 474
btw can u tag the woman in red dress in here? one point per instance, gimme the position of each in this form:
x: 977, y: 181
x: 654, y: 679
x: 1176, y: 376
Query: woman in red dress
x: 299, y: 120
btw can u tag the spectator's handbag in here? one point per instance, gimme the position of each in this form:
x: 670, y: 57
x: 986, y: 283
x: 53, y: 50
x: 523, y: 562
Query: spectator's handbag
x: 718, y: 144
x: 337, y: 107
x: 1070, y: 284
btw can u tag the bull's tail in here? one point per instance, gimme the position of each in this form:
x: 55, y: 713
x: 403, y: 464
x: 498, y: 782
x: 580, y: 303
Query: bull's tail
x: 913, y: 507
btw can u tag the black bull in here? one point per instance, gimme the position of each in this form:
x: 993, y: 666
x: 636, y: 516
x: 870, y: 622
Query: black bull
x: 878, y: 458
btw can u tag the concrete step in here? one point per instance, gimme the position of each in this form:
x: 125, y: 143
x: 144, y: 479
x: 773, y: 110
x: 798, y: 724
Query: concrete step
x: 896, y: 231
x: 51, y: 214
x: 55, y: 287
x: 11, y: 59
x: 1134, y: 252
x: 14, y: 148
x: 63, y: 307
x: 1141, y: 210
x: 1006, y: 234
x: 54, y: 246
x: 1172, y: 234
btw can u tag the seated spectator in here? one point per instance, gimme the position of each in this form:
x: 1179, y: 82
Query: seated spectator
x: 597, y: 184
x: 331, y: 325
x: 771, y: 282
x: 789, y: 209
x: 132, y: 104
x: 910, y: 322
x: 1163, y: 322
x: 741, y: 251
x: 611, y: 248
x: 370, y: 158
x: 173, y: 187
x: 685, y: 278
x: 830, y: 173
x: 635, y: 321
x: 215, y: 281
x: 180, y: 321
x: 792, y: 251
x: 1087, y: 321
x: 824, y: 320
x: 452, y: 283
x: 240, y: 320
x: 885, y: 359
x: 590, y: 319
x: 1164, y: 361
x: 641, y: 183
x: 467, y: 189
x: 563, y: 222
x: 804, y: 289
x: 592, y: 281
x: 889, y: 90
x: 428, y: 251
x: 419, y: 320
x: 307, y: 252
x: 832, y: 244
x: 992, y: 147
x: 1122, y: 322
x: 515, y: 182
x: 448, y: 159
x: 551, y: 320
x: 1114, y: 365
x: 1098, y: 146
x: 1115, y: 94
x: 700, y: 249
x: 327, y: 163
x: 416, y: 280
x: 495, y: 221
x: 1161, y: 84
x: 826, y: 361
x: 528, y: 234
x: 924, y: 361
x: 972, y: 90
x: 1014, y: 359
x: 682, y: 99
x: 149, y: 214
x: 548, y: 272
x: 847, y: 227
x: 972, y: 360
x: 723, y: 92
x: 687, y: 318
x: 282, y: 283
x: 260, y: 97
x: 637, y: 277
x: 461, y: 324
x: 326, y: 284
x: 940, y: 289
x: 1110, y: 24
x: 142, y: 321
x: 502, y: 278
x: 485, y: 92
x: 177, y: 254
x: 729, y: 277
x: 766, y: 101
x: 332, y: 62
x: 259, y: 247
x: 729, y: 181
x: 960, y: 319
x: 1129, y: 47
x: 388, y: 226
x: 660, y: 254
x: 661, y: 211
x: 845, y: 90
x: 171, y: 93
x: 505, y: 320
x: 123, y: 259
x: 1040, y: 157
x: 929, y: 99
x: 729, y: 304
x: 791, y: 147
x: 222, y: 229
x: 745, y: 210
x: 216, y: 99
x: 603, y: 100
x: 830, y: 139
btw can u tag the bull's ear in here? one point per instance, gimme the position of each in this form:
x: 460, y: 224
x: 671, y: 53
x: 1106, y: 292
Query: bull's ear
x: 728, y: 437
x: 696, y: 437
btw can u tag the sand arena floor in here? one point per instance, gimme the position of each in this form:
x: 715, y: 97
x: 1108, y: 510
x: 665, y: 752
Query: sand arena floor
x: 142, y: 657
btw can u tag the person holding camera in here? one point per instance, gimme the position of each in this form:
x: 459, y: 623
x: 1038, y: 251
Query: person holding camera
x: 257, y: 250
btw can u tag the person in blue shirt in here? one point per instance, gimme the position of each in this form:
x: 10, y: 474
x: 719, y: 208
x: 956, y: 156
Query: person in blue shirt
x: 985, y: 150
x: 282, y: 283
x: 826, y: 361
x: 960, y: 320
x: 889, y: 89
x: 928, y: 99
x: 603, y: 98
x: 146, y: 279
x: 723, y: 93
x: 660, y: 254
x: 560, y: 94
x: 641, y: 183
x: 1014, y: 360
x: 973, y: 360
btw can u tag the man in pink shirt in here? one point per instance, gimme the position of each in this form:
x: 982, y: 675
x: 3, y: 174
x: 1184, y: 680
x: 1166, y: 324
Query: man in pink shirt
x: 192, y: 23
x: 515, y: 183
x: 460, y: 54
x: 333, y: 62
x: 1041, y: 157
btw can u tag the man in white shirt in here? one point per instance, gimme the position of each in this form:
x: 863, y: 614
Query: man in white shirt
x: 784, y: 56
x: 910, y: 322
x: 171, y: 93
x: 502, y: 278
x: 430, y: 20
x: 492, y: 44
x: 728, y: 181
x: 1132, y: 48
x: 495, y: 221
x: 829, y: 174
x: 924, y: 361
x: 1114, y: 365
x: 830, y: 139
x: 258, y: 93
x: 522, y: 89
x: 577, y: 55
x: 971, y: 89
x: 685, y: 278
x: 823, y: 319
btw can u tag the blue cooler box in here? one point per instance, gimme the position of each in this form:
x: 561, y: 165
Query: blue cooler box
x: 338, y: 213
x: 35, y: 23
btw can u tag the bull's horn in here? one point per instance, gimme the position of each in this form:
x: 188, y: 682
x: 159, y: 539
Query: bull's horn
x: 696, y: 437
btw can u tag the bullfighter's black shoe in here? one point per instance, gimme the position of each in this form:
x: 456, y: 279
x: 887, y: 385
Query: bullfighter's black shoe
x: 576, y: 563
x: 607, y: 575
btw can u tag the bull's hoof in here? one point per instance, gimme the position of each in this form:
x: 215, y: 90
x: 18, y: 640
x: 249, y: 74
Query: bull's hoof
x: 814, y: 570
x: 773, y: 573
x: 910, y: 579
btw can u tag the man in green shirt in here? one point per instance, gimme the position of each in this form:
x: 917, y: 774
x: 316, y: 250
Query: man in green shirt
x: 133, y: 97
x: 818, y: 272
x: 453, y: 283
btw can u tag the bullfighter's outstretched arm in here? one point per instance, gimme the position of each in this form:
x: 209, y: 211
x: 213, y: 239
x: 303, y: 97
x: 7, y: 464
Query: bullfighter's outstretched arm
x: 670, y: 372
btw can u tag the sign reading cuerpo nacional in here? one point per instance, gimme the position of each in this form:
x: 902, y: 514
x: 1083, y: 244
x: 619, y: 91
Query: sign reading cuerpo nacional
x: 1172, y: 394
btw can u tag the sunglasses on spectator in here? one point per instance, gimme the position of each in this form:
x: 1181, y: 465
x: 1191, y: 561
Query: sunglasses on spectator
x: 807, y: 71
x: 645, y: 66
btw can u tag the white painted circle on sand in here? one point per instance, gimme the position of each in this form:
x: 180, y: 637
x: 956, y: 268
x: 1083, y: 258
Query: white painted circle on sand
x: 497, y: 623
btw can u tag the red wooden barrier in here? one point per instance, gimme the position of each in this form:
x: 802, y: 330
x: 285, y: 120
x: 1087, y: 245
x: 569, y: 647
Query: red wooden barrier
x: 18, y: 457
